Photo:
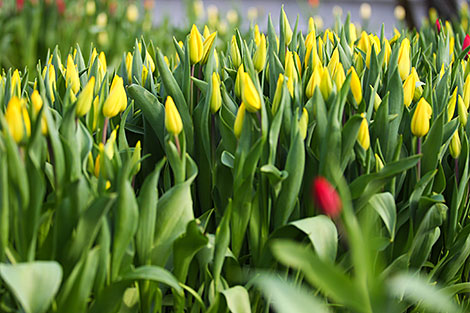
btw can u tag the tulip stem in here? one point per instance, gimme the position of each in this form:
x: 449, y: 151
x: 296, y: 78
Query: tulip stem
x: 419, y: 161
x: 105, y: 129
x: 456, y: 167
x: 177, y: 142
x: 191, y: 91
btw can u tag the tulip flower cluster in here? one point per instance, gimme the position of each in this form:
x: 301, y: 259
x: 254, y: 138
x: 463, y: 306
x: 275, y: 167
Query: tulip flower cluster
x: 338, y: 156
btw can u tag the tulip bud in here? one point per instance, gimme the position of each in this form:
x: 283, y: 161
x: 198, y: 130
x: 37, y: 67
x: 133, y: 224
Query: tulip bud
x: 277, y: 94
x: 290, y: 70
x: 96, y: 108
x: 377, y: 101
x: 298, y: 63
x: 311, y: 24
x: 356, y: 88
x: 363, y: 135
x: 250, y: 94
x: 149, y: 62
x: 462, y: 110
x: 451, y: 105
x: 239, y: 81
x: 387, y: 53
x: 15, y: 84
x: 238, y: 126
x: 145, y: 73
x: 325, y: 84
x: 71, y: 75
x: 466, y: 43
x: 207, y: 45
x: 206, y: 33
x: 338, y: 76
x: 195, y: 45
x: 136, y: 155
x: 455, y: 146
x: 379, y: 165
x: 173, y: 122
x: 352, y: 33
x: 313, y: 82
x: 303, y: 124
x: 287, y: 31
x: 438, y: 26
x: 420, y: 119
x: 129, y: 66
x: 257, y: 35
x: 117, y: 100
x: 259, y: 59
x: 364, y: 42
x: 110, y: 144
x: 85, y: 98
x: 235, y: 53
x: 17, y: 119
x: 216, y: 98
x: 409, y: 88
x: 404, y: 62
x: 36, y: 101
x: 376, y: 47
x: 102, y: 58
x: 396, y: 36
x: 334, y: 61
x: 325, y: 197
x: 466, y: 92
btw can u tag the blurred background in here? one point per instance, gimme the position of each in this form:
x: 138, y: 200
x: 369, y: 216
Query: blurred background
x: 31, y: 28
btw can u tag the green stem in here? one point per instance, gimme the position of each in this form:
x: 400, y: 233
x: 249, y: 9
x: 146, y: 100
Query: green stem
x: 419, y: 161
x: 105, y: 129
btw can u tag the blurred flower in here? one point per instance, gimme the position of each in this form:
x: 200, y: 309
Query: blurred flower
x: 325, y: 197
x: 252, y: 13
x: 102, y: 19
x: 198, y: 7
x: 337, y: 10
x: 232, y: 16
x: 466, y: 43
x: 318, y: 21
x: 60, y: 6
x: 212, y: 15
x: 132, y: 13
x: 438, y: 26
x: 365, y: 11
x: 19, y: 5
x: 223, y: 27
x: 90, y: 7
x: 399, y: 13
x: 313, y: 3
x: 149, y: 5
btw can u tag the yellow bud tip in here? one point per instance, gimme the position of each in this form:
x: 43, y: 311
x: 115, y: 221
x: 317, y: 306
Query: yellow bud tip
x: 173, y: 122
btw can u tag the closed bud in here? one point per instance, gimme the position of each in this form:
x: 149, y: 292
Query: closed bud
x: 311, y: 24
x: 313, y: 82
x: 375, y: 44
x: 259, y: 59
x: 303, y: 124
x: 356, y: 88
x: 334, y: 61
x: 462, y: 110
x: 239, y: 81
x: 206, y: 33
x: 325, y: 84
x: 420, y: 119
x: 257, y: 35
x: 117, y: 100
x: 149, y: 62
x: 418, y: 93
x: 364, y: 42
x: 195, y: 45
x: 290, y: 70
x: 363, y: 137
x: 85, y: 98
x: 136, y: 155
x: 352, y: 33
x: 338, y: 76
x: 238, y: 126
x: 207, y: 45
x: 17, y: 119
x: 377, y: 101
x: 451, y: 105
x: 36, y: 101
x: 455, y: 146
x: 466, y: 92
x: 250, y: 94
x: 387, y: 53
x: 409, y: 88
x: 287, y: 31
x: 71, y: 75
x: 129, y: 66
x: 325, y: 197
x: 379, y: 165
x: 173, y: 122
x: 277, y: 94
x: 404, y: 62
x: 145, y: 73
x: 216, y: 98
x: 15, y: 84
x: 235, y: 53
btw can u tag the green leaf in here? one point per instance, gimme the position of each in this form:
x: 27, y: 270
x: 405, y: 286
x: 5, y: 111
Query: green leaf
x: 238, y: 300
x: 33, y: 284
x: 285, y: 297
x: 153, y: 273
x: 432, y: 145
x: 384, y: 205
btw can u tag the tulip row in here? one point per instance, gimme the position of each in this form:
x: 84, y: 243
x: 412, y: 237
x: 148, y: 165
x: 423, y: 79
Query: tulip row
x: 190, y: 182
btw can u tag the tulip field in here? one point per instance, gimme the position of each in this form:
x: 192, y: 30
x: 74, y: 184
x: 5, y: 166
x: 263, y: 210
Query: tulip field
x: 275, y: 170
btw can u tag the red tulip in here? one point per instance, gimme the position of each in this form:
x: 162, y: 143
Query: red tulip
x: 325, y: 197
x: 19, y: 5
x: 60, y: 6
x: 466, y: 43
x: 438, y: 26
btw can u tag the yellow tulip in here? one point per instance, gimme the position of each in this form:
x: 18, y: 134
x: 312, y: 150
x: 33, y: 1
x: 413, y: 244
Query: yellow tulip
x: 290, y: 70
x: 404, y: 62
x: 250, y: 94
x: 235, y: 53
x: 129, y: 66
x: 409, y: 87
x: 463, y: 113
x: 238, y: 126
x: 173, y: 122
x: 311, y: 25
x: 71, y: 75
x: 259, y: 58
x: 352, y: 33
x: 455, y: 146
x: 338, y: 76
x: 388, y: 52
x: 287, y: 31
x: 15, y: 84
x: 452, y: 104
x: 36, y: 101
x: 334, y: 61
x: 363, y: 135
x: 277, y: 94
x: 326, y: 85
x: 239, y: 81
x: 17, y: 119
x: 117, y: 100
x: 303, y: 124
x: 216, y: 98
x: 85, y: 98
x: 377, y: 101
x: 379, y: 165
x: 195, y: 45
x: 257, y: 35
x: 364, y: 42
x: 356, y: 88
x: 466, y: 92
x: 145, y: 73
x: 207, y: 45
x: 420, y: 119
x: 313, y: 82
